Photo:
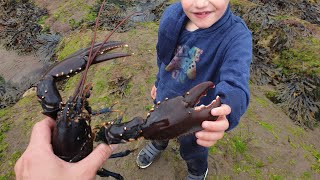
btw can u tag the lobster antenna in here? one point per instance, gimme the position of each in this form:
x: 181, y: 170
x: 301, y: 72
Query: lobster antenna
x: 91, y: 57
x: 84, y: 75
x: 112, y: 32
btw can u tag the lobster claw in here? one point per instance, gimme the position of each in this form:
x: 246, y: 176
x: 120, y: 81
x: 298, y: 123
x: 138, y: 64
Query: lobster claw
x: 77, y: 61
x: 180, y: 115
x: 168, y: 119
x: 50, y: 102
x: 47, y: 91
x: 103, y: 54
x: 192, y: 98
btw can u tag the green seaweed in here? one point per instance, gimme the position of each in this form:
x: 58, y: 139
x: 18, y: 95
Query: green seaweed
x: 303, y: 58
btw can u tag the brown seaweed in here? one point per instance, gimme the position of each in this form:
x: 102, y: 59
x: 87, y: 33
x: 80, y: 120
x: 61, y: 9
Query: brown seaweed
x: 298, y: 95
x: 298, y: 98
x: 115, y: 11
x: 20, y: 31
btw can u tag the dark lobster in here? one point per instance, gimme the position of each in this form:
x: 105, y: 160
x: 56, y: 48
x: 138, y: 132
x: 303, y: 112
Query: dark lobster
x: 72, y: 138
x: 166, y: 120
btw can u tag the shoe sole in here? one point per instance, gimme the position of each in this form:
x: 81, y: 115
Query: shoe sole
x: 138, y: 162
x: 190, y: 176
x: 206, y: 174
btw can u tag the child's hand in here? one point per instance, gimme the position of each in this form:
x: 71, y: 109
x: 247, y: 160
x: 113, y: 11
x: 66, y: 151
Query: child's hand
x: 214, y: 130
x: 153, y: 92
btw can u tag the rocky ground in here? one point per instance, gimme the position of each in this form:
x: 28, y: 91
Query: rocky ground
x: 266, y: 145
x: 14, y: 67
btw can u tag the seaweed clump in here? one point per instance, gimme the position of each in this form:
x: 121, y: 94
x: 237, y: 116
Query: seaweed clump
x: 19, y: 29
x: 115, y: 11
x: 298, y: 97
x: 285, y: 54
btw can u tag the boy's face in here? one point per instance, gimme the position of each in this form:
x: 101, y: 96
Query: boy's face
x: 203, y: 13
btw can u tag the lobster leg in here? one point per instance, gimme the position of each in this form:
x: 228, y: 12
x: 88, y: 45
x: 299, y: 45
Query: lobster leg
x: 120, y: 133
x: 104, y: 111
x: 105, y: 173
x: 101, y: 111
x: 121, y: 154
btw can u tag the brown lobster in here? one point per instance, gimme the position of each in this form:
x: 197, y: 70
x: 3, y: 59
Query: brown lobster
x: 72, y: 138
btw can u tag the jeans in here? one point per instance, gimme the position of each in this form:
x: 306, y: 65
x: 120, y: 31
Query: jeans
x: 196, y: 156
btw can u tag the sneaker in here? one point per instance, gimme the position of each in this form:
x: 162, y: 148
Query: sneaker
x: 193, y: 177
x: 147, y: 155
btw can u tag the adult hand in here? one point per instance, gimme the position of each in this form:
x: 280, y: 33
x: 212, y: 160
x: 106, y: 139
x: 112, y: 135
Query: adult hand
x: 39, y: 161
x: 214, y: 130
x: 153, y: 92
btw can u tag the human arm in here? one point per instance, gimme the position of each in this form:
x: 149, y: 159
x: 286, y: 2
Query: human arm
x: 39, y: 161
x: 234, y: 73
x: 232, y: 87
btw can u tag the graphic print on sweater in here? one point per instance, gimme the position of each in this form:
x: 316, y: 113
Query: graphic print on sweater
x: 183, y: 63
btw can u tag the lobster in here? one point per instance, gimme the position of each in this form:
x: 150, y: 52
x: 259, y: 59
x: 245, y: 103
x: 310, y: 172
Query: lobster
x: 166, y: 120
x: 72, y: 137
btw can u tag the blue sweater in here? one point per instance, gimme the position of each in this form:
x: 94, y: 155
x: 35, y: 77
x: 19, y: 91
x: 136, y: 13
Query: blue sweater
x: 221, y: 53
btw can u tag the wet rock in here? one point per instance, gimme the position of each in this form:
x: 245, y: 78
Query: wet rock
x: 20, y: 30
x: 115, y: 11
x: 276, y: 28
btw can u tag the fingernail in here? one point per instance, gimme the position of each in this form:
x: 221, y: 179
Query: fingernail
x: 113, y: 146
x: 213, y: 111
x: 204, y: 124
x: 197, y: 135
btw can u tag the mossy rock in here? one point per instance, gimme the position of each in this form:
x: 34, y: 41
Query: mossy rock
x: 303, y: 57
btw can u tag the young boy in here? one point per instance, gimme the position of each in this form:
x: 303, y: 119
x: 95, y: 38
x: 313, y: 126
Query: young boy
x: 202, y: 40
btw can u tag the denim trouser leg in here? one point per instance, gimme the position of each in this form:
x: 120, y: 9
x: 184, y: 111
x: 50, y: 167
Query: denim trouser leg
x: 196, y: 156
x: 160, y: 144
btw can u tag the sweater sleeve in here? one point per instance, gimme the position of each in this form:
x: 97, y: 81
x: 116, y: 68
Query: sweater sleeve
x: 163, y: 19
x: 233, y: 87
x: 170, y: 25
x: 158, y: 74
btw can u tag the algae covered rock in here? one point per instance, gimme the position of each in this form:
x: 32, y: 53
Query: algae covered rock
x: 286, y: 37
